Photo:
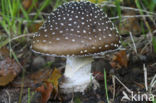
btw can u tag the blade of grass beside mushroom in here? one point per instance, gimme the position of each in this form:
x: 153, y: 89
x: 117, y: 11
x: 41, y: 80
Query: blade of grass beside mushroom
x: 77, y: 31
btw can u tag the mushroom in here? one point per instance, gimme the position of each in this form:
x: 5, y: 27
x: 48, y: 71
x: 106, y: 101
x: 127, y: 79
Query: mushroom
x: 77, y: 31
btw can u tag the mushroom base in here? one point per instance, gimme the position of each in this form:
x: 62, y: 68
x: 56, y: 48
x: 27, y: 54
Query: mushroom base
x: 77, y: 74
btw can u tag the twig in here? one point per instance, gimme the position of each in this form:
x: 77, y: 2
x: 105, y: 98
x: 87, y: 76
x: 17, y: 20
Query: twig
x: 14, y: 38
x: 42, y: 13
x: 35, y: 21
x: 153, y: 81
x: 126, y: 8
x: 131, y: 16
x: 145, y: 77
x: 9, y: 100
x: 113, y: 80
x: 149, y: 43
x: 123, y: 84
x: 134, y: 9
x: 154, y: 31
x: 133, y: 42
x: 22, y: 35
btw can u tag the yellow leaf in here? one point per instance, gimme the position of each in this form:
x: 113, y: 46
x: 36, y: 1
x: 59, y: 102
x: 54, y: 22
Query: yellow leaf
x: 54, y: 77
x: 4, y: 80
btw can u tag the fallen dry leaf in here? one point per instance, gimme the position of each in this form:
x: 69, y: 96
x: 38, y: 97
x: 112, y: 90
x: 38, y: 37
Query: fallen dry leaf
x: 49, y: 80
x: 54, y: 79
x: 27, y: 4
x: 129, y: 24
x: 34, y: 78
x: 9, y: 69
x: 45, y: 89
x: 50, y: 86
x: 119, y: 60
x: 41, y: 75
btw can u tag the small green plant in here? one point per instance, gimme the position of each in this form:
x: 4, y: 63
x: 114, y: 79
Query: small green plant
x: 30, y: 95
x: 48, y: 64
x: 77, y: 100
x: 105, y: 83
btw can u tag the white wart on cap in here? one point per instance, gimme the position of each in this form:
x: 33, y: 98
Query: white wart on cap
x: 76, y: 28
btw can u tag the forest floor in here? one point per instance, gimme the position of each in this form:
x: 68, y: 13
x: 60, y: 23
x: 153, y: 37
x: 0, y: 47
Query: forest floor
x: 27, y: 77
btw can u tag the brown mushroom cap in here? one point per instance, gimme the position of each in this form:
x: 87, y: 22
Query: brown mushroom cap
x: 76, y: 28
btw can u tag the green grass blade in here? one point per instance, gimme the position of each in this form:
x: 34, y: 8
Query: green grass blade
x: 29, y: 96
x: 105, y: 82
x: 141, y: 12
x: 117, y: 3
x: 154, y: 44
x: 44, y: 4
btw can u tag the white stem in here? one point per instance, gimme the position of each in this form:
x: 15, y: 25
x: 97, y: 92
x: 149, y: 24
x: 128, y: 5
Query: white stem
x: 77, y: 74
